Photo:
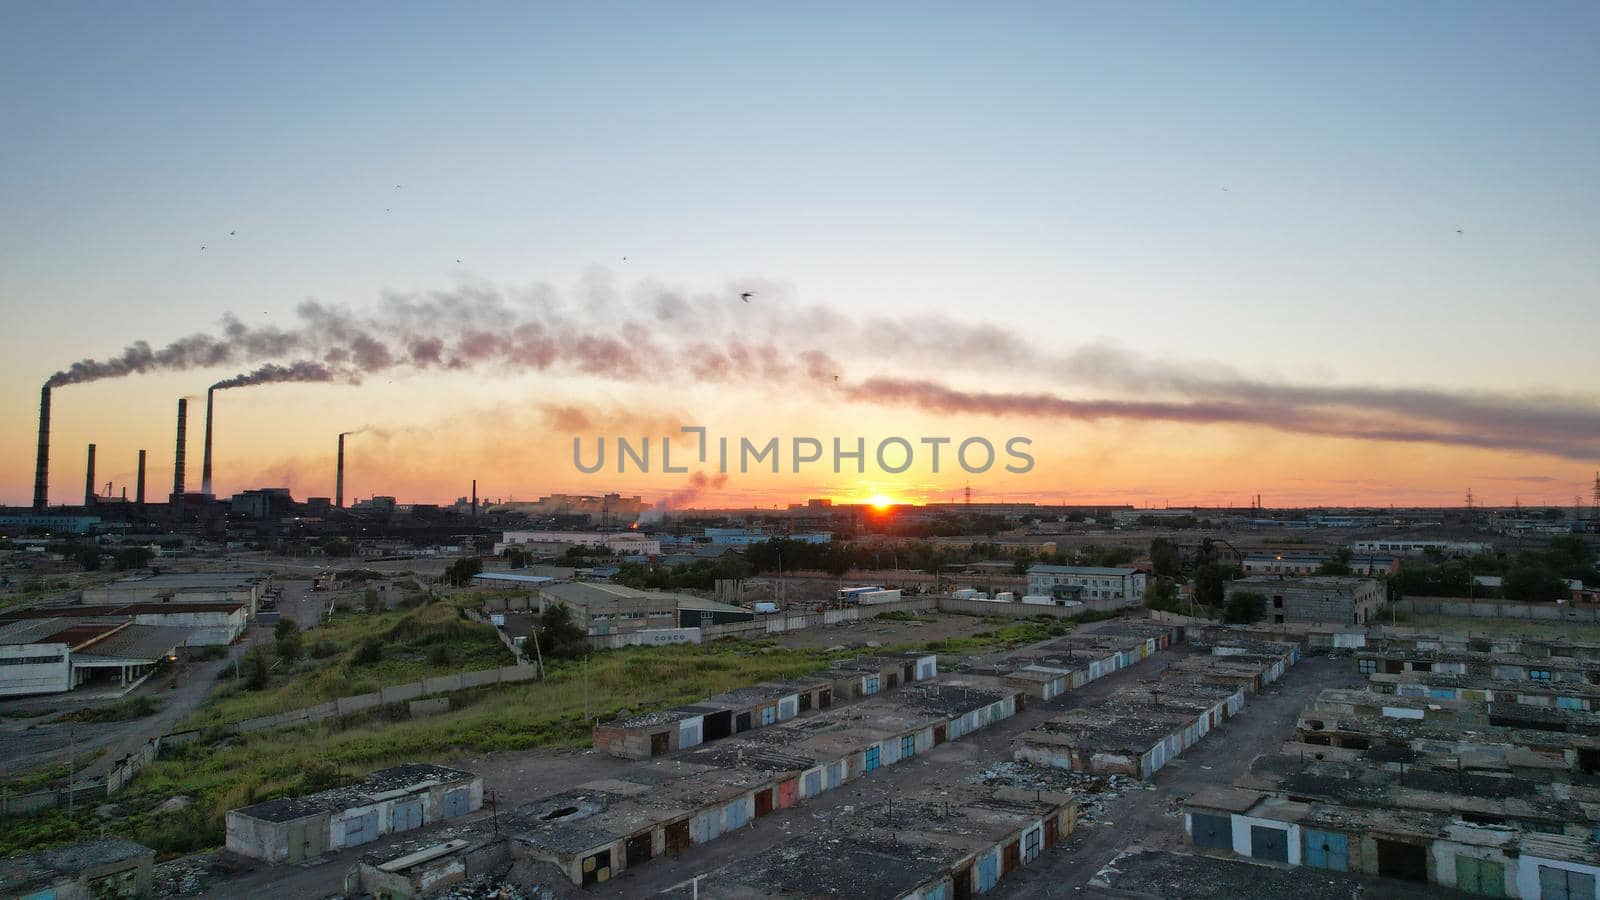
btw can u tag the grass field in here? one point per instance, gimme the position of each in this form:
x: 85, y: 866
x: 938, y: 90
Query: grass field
x: 1580, y: 631
x: 407, y: 638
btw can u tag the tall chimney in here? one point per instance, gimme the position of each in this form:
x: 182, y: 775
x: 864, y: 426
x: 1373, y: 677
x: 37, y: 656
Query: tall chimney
x: 138, y: 491
x: 183, y: 441
x: 205, y: 460
x: 88, y: 481
x: 41, y: 469
x: 338, y: 483
x: 474, y: 498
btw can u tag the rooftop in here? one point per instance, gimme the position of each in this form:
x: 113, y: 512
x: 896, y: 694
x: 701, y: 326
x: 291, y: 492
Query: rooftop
x: 362, y: 793
x: 20, y: 873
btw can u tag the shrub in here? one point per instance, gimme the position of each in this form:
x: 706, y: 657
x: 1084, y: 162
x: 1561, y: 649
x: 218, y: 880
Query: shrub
x: 439, y: 655
x: 367, y: 652
x: 325, y: 648
x: 1244, y: 607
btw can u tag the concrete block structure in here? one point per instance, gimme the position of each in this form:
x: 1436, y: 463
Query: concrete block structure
x: 295, y: 829
x: 105, y: 868
x: 948, y: 839
x: 1082, y: 583
x: 1316, y: 599
x: 52, y: 655
x: 736, y: 712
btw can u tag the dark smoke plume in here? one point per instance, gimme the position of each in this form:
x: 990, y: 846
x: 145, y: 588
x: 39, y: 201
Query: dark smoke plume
x: 276, y: 374
x: 653, y: 333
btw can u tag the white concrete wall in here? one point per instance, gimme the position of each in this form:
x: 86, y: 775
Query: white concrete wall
x: 1241, y: 835
x: 35, y: 678
x: 1528, y: 874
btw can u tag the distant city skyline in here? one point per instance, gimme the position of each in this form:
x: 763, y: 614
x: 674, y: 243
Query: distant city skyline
x: 1335, y: 255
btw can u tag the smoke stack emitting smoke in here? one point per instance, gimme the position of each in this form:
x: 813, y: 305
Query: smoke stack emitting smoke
x: 338, y: 482
x: 138, y: 495
x: 205, y: 459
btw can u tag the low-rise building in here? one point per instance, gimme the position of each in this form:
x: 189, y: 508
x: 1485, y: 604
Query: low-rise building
x: 1088, y: 583
x: 47, y: 656
x: 1319, y: 599
x: 618, y: 543
x: 244, y: 588
x: 108, y: 867
x: 295, y: 829
x: 612, y: 608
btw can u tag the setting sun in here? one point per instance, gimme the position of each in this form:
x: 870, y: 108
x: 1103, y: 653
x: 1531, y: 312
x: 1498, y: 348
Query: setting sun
x: 880, y: 501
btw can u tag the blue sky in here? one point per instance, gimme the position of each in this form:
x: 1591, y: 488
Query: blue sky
x: 1277, y: 186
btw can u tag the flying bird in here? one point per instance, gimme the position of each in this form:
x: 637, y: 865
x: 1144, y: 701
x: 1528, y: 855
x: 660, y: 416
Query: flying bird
x: 1459, y: 231
x: 230, y: 234
x: 746, y: 296
x: 202, y: 246
x: 458, y: 262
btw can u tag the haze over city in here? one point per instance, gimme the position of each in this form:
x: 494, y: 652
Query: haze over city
x: 1194, y: 253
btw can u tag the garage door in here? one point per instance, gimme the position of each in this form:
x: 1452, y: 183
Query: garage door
x: 360, y: 829
x: 408, y: 814
x: 457, y: 802
x: 1269, y: 843
x: 1327, y: 849
x: 1560, y: 884
x: 1215, y: 832
x: 1480, y: 876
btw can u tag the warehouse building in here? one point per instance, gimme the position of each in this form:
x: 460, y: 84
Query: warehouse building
x: 108, y: 867
x: 206, y: 624
x: 614, y: 608
x: 1320, y: 598
x: 48, y: 656
x: 295, y: 829
x: 244, y: 588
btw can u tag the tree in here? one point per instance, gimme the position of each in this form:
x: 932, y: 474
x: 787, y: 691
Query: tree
x: 559, y: 635
x: 1244, y: 607
x: 286, y: 638
x: 461, y: 571
x: 256, y: 670
x: 367, y: 652
x: 1208, y: 584
x: 1162, y: 595
x: 89, y: 558
x: 1337, y: 564
x: 132, y: 558
x: 1165, y: 557
x: 1530, y: 581
x: 339, y: 546
x: 371, y: 602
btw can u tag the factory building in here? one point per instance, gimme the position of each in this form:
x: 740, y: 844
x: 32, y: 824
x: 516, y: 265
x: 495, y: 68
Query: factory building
x: 183, y: 587
x: 205, y: 624
x: 1315, y: 599
x: 1088, y: 583
x: 389, y: 801
x: 54, y: 655
x: 555, y: 543
x: 615, y: 608
x: 108, y: 867
x: 1310, y: 563
x: 1409, y: 547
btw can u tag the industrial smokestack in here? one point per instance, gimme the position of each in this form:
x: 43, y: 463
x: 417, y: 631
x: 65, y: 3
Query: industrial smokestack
x: 474, y: 498
x: 138, y: 491
x: 88, y: 480
x: 183, y: 441
x: 205, y: 460
x: 338, y: 483
x: 41, y: 469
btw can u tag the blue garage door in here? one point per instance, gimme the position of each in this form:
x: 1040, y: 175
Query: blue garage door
x: 457, y: 802
x: 872, y: 758
x: 360, y: 829
x: 408, y: 814
x: 1327, y: 850
x: 988, y: 871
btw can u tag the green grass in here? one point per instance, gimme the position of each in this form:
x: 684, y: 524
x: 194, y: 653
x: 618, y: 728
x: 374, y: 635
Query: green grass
x: 124, y: 710
x: 1584, y: 631
x: 405, y: 636
x: 53, y: 775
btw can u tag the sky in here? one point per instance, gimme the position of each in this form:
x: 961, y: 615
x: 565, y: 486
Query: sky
x: 1326, y: 253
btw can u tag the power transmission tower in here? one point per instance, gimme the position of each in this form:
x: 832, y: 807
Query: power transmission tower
x: 1469, y: 499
